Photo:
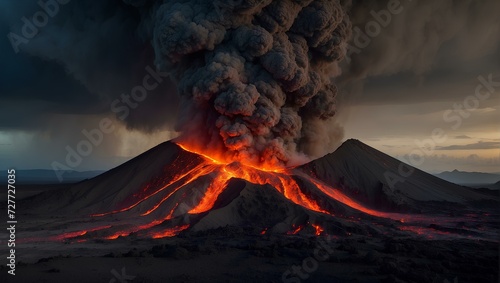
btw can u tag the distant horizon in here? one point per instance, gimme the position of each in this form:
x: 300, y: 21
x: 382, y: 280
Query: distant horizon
x: 125, y: 159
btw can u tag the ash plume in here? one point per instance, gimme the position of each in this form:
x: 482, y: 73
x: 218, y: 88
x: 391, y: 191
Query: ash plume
x: 255, y: 79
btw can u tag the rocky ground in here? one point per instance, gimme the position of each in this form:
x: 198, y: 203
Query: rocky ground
x: 233, y: 255
x: 422, y: 230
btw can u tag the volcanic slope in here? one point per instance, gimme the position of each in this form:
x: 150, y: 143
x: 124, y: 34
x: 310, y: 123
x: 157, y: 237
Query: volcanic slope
x: 168, y: 189
x: 383, y: 182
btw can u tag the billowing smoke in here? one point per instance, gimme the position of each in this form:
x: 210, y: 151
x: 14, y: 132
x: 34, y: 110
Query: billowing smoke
x: 255, y: 77
x: 421, y: 36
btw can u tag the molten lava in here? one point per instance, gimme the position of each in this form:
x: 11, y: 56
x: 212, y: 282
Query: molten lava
x: 318, y: 229
x: 274, y: 175
x: 158, y: 204
x: 169, y: 232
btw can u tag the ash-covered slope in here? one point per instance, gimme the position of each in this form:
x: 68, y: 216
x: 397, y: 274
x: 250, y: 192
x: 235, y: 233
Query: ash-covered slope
x: 167, y: 190
x: 262, y: 207
x: 380, y: 181
x: 118, y: 186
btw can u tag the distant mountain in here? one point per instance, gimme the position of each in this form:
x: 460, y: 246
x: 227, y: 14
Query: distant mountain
x: 469, y: 178
x: 495, y: 186
x: 42, y: 176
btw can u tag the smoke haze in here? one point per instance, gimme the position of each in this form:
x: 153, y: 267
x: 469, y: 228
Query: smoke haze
x: 255, y: 78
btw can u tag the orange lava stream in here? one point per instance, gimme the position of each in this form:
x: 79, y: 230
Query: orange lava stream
x: 127, y: 232
x: 295, y: 230
x: 170, y: 232
x: 275, y: 176
x: 69, y: 235
x: 216, y: 188
x: 174, y: 180
x: 339, y: 196
x: 75, y: 234
x: 282, y: 182
x: 291, y: 191
x: 171, y: 213
x: 195, y: 175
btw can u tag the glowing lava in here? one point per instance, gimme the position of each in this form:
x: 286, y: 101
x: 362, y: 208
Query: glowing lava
x: 157, y: 203
x: 318, y: 229
x: 296, y: 229
x: 170, y: 232
x: 274, y: 175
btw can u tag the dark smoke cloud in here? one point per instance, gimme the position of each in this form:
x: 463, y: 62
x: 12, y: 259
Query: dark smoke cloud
x: 84, y: 58
x: 255, y: 78
x: 424, y: 37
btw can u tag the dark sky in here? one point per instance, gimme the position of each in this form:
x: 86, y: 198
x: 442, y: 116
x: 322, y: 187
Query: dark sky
x: 401, y: 84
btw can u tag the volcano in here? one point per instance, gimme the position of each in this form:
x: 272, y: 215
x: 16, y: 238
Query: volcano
x: 173, y: 188
x: 177, y: 207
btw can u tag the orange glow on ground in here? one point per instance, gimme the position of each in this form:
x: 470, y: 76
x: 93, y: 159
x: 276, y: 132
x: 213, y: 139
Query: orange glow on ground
x: 296, y: 229
x: 70, y: 235
x: 192, y: 176
x: 169, y: 232
x: 219, y: 170
x: 339, y: 196
x: 318, y: 229
x: 75, y: 234
x: 176, y: 179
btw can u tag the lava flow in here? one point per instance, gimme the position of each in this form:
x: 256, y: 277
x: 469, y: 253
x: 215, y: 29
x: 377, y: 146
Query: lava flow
x: 193, y: 188
x: 276, y: 176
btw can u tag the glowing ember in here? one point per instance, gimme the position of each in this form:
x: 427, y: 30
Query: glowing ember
x: 127, y: 232
x: 296, y: 229
x: 76, y: 234
x: 69, y: 235
x: 318, y: 229
x: 170, y: 232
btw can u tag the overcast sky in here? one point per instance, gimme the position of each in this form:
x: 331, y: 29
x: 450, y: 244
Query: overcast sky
x: 395, y: 91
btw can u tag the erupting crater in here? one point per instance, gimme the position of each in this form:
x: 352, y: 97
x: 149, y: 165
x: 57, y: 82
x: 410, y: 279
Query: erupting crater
x: 175, y: 187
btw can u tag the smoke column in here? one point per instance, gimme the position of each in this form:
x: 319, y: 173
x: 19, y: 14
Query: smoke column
x: 254, y: 76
